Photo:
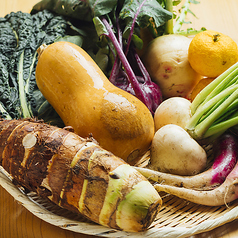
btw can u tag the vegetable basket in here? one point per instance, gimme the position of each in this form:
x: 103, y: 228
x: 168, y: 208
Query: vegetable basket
x: 177, y: 217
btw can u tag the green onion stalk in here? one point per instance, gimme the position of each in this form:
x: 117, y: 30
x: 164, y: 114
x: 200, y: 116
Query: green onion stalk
x: 215, y: 109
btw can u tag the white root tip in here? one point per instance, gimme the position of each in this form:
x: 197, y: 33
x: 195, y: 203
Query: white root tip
x: 29, y: 141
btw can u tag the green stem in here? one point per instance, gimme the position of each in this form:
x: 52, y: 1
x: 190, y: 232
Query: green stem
x: 208, y: 108
x: 189, y: 32
x: 23, y: 101
x: 169, y: 23
x: 27, y: 85
x: 200, y: 130
x: 181, y: 18
x: 209, y: 88
x: 230, y: 110
x: 221, y: 127
x: 229, y: 80
x: 4, y: 112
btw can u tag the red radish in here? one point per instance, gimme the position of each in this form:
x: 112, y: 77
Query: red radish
x: 225, y: 150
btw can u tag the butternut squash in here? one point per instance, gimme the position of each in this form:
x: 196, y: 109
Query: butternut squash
x: 85, y: 99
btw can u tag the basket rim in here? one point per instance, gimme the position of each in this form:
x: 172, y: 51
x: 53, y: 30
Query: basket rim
x: 98, y: 230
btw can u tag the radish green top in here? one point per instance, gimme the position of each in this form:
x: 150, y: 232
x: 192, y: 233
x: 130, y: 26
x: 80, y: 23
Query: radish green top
x: 214, y: 109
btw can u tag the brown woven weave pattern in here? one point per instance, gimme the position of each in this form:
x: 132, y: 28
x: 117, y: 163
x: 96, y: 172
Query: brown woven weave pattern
x: 175, y: 213
x: 176, y: 218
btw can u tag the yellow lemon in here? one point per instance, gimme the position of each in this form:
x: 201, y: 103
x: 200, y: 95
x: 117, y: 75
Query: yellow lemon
x: 211, y: 53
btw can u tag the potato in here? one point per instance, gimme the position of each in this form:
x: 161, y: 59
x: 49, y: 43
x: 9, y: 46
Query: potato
x: 166, y: 60
x: 174, y: 151
x: 174, y: 110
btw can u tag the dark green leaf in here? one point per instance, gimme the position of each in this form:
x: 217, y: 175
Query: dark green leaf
x: 150, y: 10
x: 78, y: 9
x: 20, y: 36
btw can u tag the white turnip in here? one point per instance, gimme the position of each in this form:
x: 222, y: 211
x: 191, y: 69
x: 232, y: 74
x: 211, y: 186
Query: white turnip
x: 166, y: 60
x: 174, y: 110
x: 225, y: 155
x: 174, y: 151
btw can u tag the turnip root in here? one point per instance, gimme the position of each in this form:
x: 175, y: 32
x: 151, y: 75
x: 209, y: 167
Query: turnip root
x: 225, y: 154
x: 221, y: 195
x: 166, y: 60
x: 174, y: 151
x: 174, y: 110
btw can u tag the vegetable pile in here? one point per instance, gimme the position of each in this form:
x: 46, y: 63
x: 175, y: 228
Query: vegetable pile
x: 85, y: 66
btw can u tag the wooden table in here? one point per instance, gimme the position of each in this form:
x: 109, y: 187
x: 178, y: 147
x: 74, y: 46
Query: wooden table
x: 17, y: 222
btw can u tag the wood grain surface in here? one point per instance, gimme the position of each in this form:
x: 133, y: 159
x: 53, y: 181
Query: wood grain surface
x: 17, y: 222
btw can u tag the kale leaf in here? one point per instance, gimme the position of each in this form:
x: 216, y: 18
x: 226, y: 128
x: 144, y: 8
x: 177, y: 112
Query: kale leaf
x: 20, y: 36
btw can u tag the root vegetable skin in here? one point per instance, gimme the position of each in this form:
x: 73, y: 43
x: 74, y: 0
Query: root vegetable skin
x: 77, y: 174
x: 225, y: 158
x: 174, y: 151
x: 225, y: 150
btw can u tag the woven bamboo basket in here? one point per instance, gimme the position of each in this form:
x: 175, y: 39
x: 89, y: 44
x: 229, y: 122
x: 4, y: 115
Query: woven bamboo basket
x: 176, y: 218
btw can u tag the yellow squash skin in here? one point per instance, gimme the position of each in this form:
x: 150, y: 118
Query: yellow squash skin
x: 86, y: 100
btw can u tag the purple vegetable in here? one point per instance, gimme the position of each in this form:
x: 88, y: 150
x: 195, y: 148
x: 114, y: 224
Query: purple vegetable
x: 133, y: 77
x: 149, y: 89
x: 225, y: 152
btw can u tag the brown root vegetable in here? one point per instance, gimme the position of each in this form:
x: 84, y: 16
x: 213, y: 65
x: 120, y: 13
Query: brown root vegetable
x: 77, y: 174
